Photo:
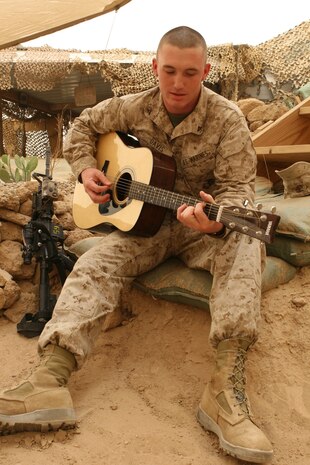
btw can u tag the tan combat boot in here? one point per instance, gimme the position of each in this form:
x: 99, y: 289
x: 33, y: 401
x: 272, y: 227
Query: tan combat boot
x: 225, y: 410
x: 43, y: 402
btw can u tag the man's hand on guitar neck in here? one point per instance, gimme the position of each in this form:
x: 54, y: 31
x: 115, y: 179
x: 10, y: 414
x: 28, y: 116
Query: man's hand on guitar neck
x: 96, y: 184
x: 196, y: 218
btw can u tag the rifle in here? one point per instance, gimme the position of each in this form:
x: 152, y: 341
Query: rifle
x: 44, y: 240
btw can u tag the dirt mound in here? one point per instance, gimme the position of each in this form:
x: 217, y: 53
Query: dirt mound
x: 136, y: 398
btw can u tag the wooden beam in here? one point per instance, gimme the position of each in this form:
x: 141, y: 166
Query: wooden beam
x: 284, y: 153
x: 26, y: 99
x: 37, y: 104
x: 289, y: 129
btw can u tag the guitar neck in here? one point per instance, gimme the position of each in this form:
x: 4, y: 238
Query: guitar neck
x: 260, y: 225
x: 170, y: 200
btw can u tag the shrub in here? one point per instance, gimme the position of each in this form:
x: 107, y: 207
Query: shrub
x: 20, y: 172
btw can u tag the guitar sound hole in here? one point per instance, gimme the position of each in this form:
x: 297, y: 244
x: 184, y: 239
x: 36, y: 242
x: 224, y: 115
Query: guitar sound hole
x: 122, y: 188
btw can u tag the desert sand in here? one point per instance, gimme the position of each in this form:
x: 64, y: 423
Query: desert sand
x: 136, y: 397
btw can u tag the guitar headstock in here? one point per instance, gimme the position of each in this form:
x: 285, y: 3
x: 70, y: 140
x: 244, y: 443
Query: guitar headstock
x: 254, y: 223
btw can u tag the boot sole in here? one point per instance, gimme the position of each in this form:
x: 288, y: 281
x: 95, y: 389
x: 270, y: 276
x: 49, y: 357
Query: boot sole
x: 248, y: 455
x: 39, y: 421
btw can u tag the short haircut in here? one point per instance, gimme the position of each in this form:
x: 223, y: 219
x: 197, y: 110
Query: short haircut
x: 183, y: 37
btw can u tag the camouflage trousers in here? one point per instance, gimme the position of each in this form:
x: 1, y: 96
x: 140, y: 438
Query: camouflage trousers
x: 103, y: 273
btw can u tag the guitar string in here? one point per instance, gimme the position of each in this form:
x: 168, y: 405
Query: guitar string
x: 226, y: 213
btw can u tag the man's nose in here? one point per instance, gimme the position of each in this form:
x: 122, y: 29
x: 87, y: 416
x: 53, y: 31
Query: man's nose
x: 178, y: 81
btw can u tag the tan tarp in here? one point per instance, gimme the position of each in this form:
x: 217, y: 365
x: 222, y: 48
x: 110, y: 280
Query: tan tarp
x: 23, y: 20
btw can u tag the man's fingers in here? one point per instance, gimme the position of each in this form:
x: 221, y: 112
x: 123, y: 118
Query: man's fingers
x: 206, y: 197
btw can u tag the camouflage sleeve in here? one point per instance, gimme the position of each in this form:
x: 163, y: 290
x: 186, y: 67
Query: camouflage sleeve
x: 235, y: 168
x: 80, y: 142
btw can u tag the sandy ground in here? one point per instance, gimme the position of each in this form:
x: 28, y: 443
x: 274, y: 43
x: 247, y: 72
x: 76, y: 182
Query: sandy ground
x: 137, y: 396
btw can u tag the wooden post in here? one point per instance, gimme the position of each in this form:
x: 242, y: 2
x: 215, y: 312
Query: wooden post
x: 54, y: 130
x: 1, y: 130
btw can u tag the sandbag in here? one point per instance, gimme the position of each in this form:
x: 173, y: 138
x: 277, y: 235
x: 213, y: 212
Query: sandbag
x: 294, y: 212
x: 291, y: 250
x: 174, y: 281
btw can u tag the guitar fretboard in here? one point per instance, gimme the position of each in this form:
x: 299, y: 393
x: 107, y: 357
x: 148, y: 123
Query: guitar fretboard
x: 163, y: 198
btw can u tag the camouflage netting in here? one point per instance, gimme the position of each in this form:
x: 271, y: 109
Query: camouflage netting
x: 17, y: 140
x: 38, y: 70
x: 284, y: 58
x: 229, y: 64
x: 42, y: 68
x: 287, y: 59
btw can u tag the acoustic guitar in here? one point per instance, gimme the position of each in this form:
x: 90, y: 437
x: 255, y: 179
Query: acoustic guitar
x: 142, y: 191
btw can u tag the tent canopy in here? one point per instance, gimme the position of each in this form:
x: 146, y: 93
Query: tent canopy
x: 22, y: 20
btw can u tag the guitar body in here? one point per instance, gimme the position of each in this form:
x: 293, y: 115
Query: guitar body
x: 121, y: 164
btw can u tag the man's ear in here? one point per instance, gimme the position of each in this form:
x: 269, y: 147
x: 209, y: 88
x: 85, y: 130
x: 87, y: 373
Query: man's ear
x: 206, y: 71
x: 155, y: 67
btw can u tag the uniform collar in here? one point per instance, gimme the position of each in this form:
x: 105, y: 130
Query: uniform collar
x: 193, y: 123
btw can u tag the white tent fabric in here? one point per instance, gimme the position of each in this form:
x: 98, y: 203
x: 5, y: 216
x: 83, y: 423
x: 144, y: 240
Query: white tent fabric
x: 23, y: 20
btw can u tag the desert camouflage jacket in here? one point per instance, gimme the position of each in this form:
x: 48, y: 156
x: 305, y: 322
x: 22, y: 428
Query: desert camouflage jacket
x: 212, y: 146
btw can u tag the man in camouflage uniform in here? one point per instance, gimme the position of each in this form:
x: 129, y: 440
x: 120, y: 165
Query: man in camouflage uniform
x: 209, y: 140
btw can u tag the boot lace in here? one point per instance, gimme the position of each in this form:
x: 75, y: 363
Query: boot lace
x: 238, y: 381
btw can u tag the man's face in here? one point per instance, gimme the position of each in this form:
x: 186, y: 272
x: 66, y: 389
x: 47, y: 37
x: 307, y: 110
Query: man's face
x: 180, y: 72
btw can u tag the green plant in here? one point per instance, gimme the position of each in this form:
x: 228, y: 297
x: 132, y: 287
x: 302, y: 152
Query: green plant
x: 22, y: 170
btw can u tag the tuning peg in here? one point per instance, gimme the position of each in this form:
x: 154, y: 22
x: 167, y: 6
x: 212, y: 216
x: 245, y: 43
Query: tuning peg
x: 273, y: 209
x: 259, y: 206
